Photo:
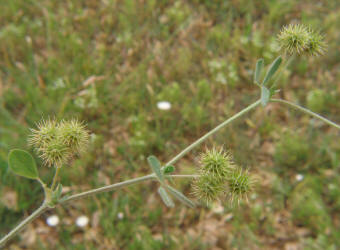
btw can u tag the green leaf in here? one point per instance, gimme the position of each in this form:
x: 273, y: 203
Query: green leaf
x: 165, y: 197
x: 265, y: 95
x: 156, y: 167
x: 58, y: 190
x: 181, y: 197
x: 56, y: 194
x: 169, y: 169
x: 23, y: 164
x: 272, y: 69
x: 258, y: 70
x: 273, y: 91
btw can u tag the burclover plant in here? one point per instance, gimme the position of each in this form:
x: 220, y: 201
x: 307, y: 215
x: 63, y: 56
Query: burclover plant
x: 218, y: 177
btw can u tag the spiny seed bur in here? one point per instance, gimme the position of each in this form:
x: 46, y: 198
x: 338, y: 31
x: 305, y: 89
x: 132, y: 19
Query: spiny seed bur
x: 207, y: 189
x: 293, y: 39
x: 55, y: 153
x: 219, y: 176
x: 240, y: 184
x: 316, y: 45
x: 74, y: 135
x: 298, y: 39
x: 56, y: 142
x: 216, y: 163
x: 45, y: 133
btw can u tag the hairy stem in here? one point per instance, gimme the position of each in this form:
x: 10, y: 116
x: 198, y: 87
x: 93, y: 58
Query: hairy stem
x: 120, y: 185
x: 108, y: 188
x: 22, y: 224
x: 184, y: 175
x: 44, y: 187
x: 307, y: 111
x: 213, y: 131
x: 55, y: 177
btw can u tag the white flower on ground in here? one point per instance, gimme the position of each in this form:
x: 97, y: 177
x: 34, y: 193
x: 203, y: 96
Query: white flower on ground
x: 120, y: 215
x: 299, y: 177
x: 52, y: 220
x: 82, y: 221
x: 164, y: 105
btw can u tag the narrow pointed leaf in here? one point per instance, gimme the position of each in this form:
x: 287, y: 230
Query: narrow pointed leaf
x: 181, y: 197
x: 56, y: 194
x: 165, y: 197
x: 23, y: 164
x: 156, y: 167
x: 258, y: 70
x: 265, y: 95
x: 272, y: 69
x: 273, y: 91
x: 58, y: 191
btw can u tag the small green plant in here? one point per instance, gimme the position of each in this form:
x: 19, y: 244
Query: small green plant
x: 56, y: 143
x: 308, y: 208
x: 291, y: 152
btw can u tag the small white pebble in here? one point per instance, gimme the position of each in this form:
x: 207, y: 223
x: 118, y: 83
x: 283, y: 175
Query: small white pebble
x: 164, y: 105
x: 52, y: 220
x: 82, y: 221
x: 120, y: 215
x: 299, y: 177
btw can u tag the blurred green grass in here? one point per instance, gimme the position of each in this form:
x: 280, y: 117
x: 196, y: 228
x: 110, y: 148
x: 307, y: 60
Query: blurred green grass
x: 109, y: 63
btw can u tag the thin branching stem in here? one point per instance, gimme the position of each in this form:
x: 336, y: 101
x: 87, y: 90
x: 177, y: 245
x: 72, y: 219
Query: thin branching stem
x: 184, y: 175
x: 22, y: 224
x: 213, y: 131
x: 307, y: 111
x: 121, y: 185
x: 108, y: 188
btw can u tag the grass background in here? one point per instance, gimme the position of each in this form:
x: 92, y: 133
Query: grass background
x: 109, y: 63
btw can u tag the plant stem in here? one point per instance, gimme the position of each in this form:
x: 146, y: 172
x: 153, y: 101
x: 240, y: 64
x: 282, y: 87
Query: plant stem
x: 44, y: 187
x: 307, y: 111
x: 213, y: 131
x: 110, y: 187
x: 121, y: 185
x: 26, y: 221
x: 55, y: 177
x: 184, y: 175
